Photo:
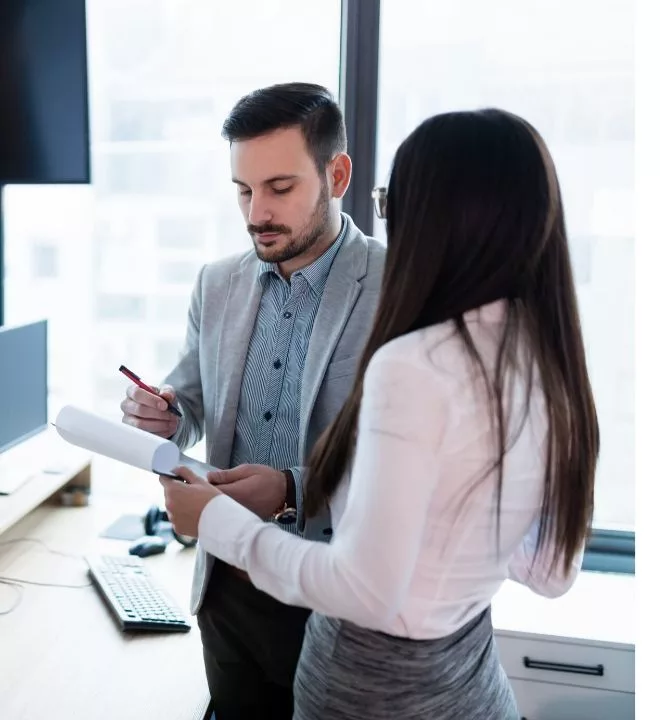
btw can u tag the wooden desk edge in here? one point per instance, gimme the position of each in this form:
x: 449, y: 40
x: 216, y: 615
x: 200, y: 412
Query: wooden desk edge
x: 42, y: 488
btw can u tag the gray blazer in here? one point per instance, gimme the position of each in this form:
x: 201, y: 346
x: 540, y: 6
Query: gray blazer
x: 222, y: 313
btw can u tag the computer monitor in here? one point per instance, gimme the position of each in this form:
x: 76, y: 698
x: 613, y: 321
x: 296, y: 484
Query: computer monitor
x: 44, y: 117
x: 23, y: 382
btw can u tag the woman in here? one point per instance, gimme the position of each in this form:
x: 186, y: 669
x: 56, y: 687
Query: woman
x: 465, y: 454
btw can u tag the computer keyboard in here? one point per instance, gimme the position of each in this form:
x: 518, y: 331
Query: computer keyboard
x: 131, y: 593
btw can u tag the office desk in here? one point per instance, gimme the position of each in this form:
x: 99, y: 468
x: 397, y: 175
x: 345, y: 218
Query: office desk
x: 61, y: 653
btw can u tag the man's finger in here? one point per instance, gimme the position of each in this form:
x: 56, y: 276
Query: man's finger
x: 167, y: 392
x: 145, y: 412
x: 164, y: 428
x: 224, y: 477
x: 142, y: 397
x: 219, y: 477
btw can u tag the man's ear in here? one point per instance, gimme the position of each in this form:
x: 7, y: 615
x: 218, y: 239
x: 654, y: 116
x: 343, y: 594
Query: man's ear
x: 339, y: 175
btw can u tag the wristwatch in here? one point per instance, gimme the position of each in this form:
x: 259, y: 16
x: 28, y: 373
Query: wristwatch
x: 288, y: 513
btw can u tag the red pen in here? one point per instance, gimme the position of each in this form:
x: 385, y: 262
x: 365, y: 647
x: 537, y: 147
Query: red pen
x: 132, y: 376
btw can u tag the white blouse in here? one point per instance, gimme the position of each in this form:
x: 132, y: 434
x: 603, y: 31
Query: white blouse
x: 414, y: 551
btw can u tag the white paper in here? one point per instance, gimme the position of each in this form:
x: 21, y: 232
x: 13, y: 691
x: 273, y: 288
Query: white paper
x: 117, y: 440
x: 123, y: 442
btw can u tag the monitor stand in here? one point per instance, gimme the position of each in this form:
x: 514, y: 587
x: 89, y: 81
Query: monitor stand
x: 21, y: 462
x: 35, y: 470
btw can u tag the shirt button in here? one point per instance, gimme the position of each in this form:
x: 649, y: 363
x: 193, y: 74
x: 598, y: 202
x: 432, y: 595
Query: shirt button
x: 277, y: 364
x: 268, y: 415
x: 287, y: 314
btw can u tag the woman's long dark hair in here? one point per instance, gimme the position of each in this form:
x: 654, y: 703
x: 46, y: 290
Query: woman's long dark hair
x: 474, y: 214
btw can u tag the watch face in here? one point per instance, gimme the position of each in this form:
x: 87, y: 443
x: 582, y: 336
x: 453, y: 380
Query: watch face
x: 287, y: 517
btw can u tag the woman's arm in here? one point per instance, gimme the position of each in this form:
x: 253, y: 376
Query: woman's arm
x: 364, y: 573
x: 536, y: 573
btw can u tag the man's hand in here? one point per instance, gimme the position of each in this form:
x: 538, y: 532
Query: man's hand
x: 149, y: 412
x: 257, y: 487
x: 184, y: 502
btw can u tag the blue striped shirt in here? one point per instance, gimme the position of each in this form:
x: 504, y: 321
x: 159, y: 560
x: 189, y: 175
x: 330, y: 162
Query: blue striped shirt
x: 268, y: 416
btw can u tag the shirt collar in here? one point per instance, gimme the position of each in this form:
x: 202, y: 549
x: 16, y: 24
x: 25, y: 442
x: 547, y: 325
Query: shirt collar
x: 315, y: 273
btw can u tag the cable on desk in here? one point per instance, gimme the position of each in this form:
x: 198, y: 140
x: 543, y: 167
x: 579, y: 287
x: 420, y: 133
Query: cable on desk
x: 18, y: 596
x: 17, y: 583
x: 20, y: 581
x: 39, y: 542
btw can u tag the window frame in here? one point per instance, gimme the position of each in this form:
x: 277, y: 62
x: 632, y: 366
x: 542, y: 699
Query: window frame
x: 611, y: 551
x: 358, y: 97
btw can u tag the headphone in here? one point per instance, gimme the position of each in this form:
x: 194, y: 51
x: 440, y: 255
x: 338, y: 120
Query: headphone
x: 156, y: 522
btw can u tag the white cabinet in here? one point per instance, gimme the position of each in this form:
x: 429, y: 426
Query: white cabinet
x: 563, y: 680
x: 568, y: 663
x: 571, y: 658
x: 548, y: 701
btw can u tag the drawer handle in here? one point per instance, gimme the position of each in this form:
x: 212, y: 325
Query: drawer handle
x: 598, y: 670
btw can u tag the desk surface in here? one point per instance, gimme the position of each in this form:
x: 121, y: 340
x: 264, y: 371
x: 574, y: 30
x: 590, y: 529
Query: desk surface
x: 63, y: 656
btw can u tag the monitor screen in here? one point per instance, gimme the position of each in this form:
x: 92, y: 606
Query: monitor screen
x: 23, y: 382
x: 44, y: 117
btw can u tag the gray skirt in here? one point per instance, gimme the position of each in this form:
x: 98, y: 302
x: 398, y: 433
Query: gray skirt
x: 348, y: 673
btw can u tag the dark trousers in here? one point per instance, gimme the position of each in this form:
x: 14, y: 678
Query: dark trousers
x: 251, y: 647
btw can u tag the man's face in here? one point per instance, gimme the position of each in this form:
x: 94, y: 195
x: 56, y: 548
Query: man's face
x: 285, y: 203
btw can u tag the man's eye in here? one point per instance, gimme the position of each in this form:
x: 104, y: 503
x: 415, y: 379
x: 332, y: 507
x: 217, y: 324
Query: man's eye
x: 282, y: 191
x: 245, y: 193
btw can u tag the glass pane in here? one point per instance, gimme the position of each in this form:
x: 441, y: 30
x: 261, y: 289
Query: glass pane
x: 567, y: 68
x: 112, y: 265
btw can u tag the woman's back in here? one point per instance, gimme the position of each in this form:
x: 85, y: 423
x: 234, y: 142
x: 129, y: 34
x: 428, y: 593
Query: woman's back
x: 425, y: 404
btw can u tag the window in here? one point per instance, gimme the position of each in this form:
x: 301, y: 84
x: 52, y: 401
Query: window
x: 130, y: 308
x: 568, y: 69
x: 178, y: 273
x: 121, y: 257
x: 181, y: 232
x: 170, y: 310
x: 163, y: 75
x: 44, y: 261
x: 166, y: 353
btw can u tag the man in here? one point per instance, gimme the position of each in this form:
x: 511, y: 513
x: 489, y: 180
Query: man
x: 273, y: 341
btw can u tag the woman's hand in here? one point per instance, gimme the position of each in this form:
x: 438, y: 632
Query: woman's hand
x: 184, y: 501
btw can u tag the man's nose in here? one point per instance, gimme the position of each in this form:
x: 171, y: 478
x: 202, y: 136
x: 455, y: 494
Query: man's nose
x: 259, y: 213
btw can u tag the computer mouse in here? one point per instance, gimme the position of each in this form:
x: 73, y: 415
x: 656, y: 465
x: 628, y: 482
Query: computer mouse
x: 148, y: 545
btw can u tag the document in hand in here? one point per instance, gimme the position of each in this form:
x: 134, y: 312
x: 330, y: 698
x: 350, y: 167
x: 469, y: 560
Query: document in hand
x: 123, y: 442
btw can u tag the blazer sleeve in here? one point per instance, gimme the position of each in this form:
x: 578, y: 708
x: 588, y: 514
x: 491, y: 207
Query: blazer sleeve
x: 186, y: 379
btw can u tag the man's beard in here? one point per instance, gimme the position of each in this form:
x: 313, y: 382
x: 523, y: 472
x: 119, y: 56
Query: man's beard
x: 308, y: 237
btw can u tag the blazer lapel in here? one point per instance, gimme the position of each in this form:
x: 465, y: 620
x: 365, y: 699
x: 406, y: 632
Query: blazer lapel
x: 234, y: 333
x: 341, y: 292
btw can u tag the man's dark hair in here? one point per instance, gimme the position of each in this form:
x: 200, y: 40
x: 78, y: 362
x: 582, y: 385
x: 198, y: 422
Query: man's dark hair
x: 311, y: 107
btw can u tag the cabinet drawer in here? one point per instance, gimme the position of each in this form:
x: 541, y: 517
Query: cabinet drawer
x: 546, y: 701
x: 568, y: 663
